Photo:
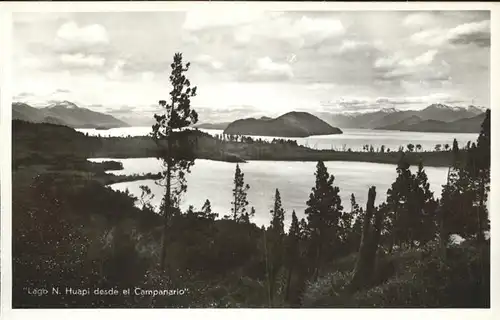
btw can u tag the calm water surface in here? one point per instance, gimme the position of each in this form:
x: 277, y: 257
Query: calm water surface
x: 213, y: 180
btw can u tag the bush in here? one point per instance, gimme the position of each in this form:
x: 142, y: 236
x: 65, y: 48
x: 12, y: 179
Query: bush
x: 420, y: 278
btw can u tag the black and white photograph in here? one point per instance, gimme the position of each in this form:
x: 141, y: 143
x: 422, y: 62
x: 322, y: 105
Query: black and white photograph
x: 251, y: 158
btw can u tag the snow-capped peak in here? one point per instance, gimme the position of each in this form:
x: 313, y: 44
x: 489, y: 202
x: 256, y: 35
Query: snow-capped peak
x: 440, y: 106
x: 63, y: 104
x: 389, y: 110
x: 476, y: 109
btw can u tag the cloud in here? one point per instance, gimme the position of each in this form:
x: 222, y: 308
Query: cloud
x: 23, y: 95
x: 29, y: 62
x: 117, y: 110
x: 81, y: 60
x: 197, y: 20
x: 298, y: 32
x: 265, y: 68
x: 418, y: 19
x: 147, y: 76
x: 254, y: 29
x: 349, y: 47
x: 428, y: 99
x: 230, y: 113
x: 476, y: 33
x: 117, y: 71
x: 421, y: 68
x: 89, y: 35
x: 397, y: 61
x: 264, y: 53
x: 354, y: 45
x: 206, y: 60
x: 62, y: 91
x: 319, y: 28
x: 399, y: 102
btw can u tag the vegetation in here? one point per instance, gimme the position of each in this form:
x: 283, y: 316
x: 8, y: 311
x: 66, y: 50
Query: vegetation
x: 175, y: 147
x: 90, y: 246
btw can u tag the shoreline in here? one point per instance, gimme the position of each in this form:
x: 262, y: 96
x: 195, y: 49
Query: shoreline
x: 51, y: 148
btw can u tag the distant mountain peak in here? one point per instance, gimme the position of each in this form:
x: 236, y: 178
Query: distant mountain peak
x: 439, y: 106
x: 476, y: 109
x: 63, y: 104
x: 389, y: 110
x: 61, y: 112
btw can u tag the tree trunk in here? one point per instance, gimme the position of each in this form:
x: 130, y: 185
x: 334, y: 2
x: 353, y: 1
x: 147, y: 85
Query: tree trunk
x: 362, y: 270
x: 269, y: 299
x: 375, y: 239
x: 167, y: 210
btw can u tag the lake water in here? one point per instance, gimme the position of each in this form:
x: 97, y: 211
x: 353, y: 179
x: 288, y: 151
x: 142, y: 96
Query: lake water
x: 213, y: 180
x: 351, y: 138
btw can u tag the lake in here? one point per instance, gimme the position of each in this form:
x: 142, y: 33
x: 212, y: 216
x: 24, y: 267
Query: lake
x: 213, y: 180
x: 351, y: 138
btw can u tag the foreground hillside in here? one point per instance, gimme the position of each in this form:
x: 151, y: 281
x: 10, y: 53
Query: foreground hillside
x: 69, y: 231
x: 292, y: 124
x: 65, y: 113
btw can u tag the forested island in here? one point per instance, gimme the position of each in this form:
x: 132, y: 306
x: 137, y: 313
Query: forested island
x: 70, y: 230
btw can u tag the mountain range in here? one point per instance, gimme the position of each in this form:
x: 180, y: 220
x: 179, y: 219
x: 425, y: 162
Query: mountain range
x: 65, y: 113
x: 434, y: 118
x: 291, y: 124
x: 387, y: 117
x: 415, y: 123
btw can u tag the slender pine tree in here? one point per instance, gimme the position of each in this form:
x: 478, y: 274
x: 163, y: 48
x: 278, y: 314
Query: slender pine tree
x: 240, y: 190
x: 175, y: 145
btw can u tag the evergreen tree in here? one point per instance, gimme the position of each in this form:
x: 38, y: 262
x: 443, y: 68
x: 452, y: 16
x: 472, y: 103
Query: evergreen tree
x: 354, y: 239
x: 206, y: 211
x: 456, y: 153
x: 463, y: 201
x: 175, y: 147
x: 207, y: 207
x: 424, y: 225
x: 245, y: 218
x: 278, y: 216
x: 275, y: 243
x: 240, y: 190
x: 323, y: 212
x: 399, y: 202
x: 455, y: 145
x: 292, y: 251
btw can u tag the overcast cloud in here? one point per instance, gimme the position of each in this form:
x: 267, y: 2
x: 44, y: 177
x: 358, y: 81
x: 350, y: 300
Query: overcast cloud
x: 253, y: 62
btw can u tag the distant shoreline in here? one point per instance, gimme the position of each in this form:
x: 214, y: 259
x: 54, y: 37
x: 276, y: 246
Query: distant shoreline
x: 56, y: 143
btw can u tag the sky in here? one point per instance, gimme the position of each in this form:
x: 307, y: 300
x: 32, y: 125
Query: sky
x: 253, y: 63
